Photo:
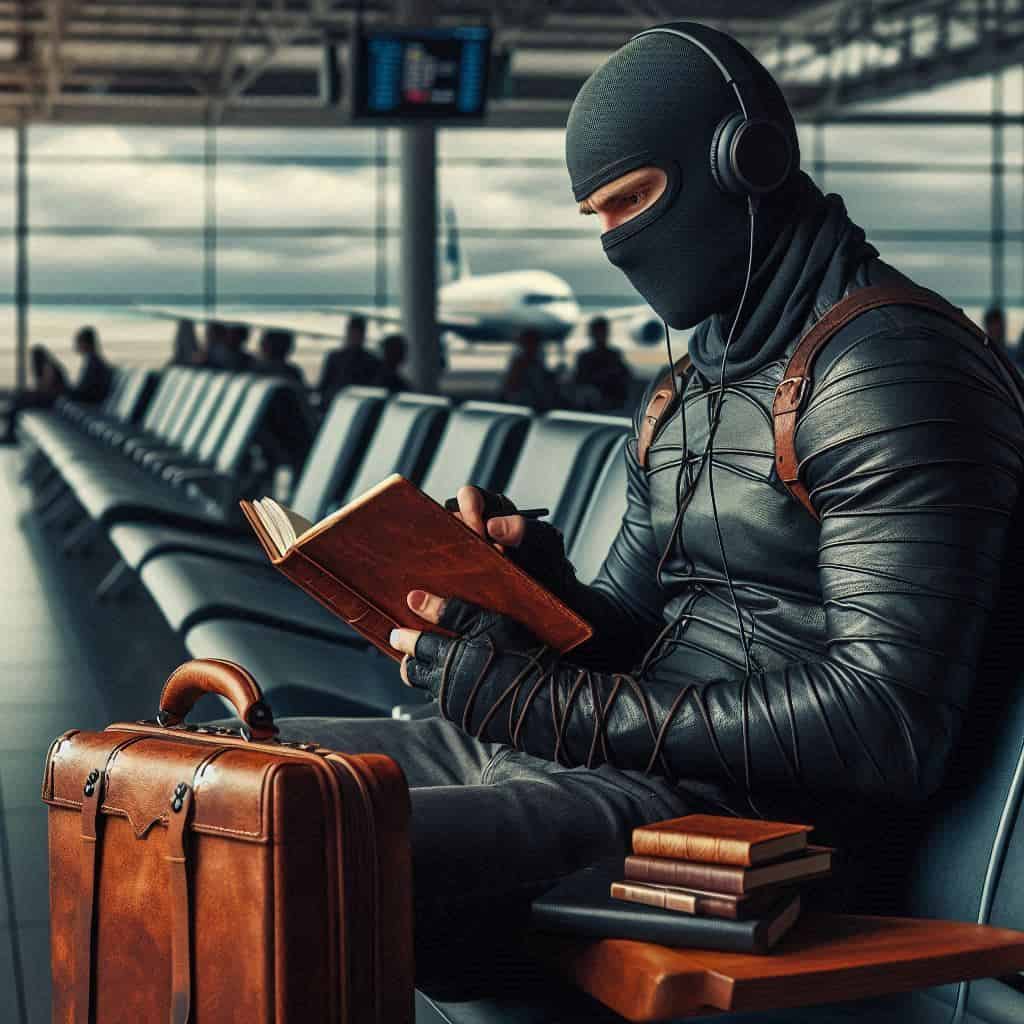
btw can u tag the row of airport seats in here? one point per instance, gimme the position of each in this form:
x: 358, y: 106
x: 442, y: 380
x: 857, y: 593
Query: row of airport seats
x: 205, y: 439
x: 220, y: 595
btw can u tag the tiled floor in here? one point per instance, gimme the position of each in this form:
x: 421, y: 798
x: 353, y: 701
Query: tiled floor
x: 64, y: 662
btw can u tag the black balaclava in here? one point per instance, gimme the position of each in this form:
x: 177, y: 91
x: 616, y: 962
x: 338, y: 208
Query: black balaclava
x: 658, y: 100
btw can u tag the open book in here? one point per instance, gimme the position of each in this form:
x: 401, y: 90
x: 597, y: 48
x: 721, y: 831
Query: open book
x: 361, y: 561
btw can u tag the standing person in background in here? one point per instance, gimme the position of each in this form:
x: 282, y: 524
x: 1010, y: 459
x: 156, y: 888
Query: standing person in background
x: 276, y: 346
x: 602, y: 379
x: 393, y: 350
x: 96, y: 378
x: 186, y: 345
x: 528, y: 381
x: 350, y: 364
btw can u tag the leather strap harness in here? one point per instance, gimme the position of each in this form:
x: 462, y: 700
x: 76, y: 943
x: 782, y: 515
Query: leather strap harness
x: 793, y: 391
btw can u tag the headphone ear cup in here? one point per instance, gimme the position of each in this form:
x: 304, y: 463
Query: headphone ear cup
x: 722, y: 169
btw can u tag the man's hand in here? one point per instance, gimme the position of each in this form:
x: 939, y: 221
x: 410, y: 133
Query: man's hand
x: 478, y: 628
x: 503, y: 531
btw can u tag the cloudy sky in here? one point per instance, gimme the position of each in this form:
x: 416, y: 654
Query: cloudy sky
x: 279, y: 195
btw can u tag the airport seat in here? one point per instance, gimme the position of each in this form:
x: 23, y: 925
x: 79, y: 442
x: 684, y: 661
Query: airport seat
x: 117, y: 491
x: 478, y: 445
x: 97, y: 438
x: 70, y: 420
x: 302, y: 675
x: 340, y: 445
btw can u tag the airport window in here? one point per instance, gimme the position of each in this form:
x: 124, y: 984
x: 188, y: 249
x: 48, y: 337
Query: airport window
x: 255, y: 222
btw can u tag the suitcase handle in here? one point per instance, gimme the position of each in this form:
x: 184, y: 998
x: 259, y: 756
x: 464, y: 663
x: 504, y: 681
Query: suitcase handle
x: 190, y: 681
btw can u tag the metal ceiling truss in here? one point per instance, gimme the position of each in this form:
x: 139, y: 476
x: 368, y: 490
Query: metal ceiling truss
x: 258, y: 61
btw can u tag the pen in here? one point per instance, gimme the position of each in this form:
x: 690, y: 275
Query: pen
x: 451, y: 505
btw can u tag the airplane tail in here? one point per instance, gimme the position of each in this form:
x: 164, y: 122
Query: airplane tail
x: 454, y: 258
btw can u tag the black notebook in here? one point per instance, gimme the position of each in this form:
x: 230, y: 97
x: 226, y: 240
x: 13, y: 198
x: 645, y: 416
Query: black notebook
x: 581, y: 904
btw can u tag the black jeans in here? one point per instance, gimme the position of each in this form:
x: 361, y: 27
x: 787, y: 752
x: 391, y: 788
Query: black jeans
x: 491, y: 829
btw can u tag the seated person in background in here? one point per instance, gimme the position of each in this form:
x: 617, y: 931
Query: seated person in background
x: 528, y: 381
x: 350, y: 364
x: 602, y: 379
x: 393, y: 349
x: 212, y: 353
x: 50, y: 382
x: 186, y: 345
x: 233, y: 355
x: 97, y: 376
x: 276, y: 346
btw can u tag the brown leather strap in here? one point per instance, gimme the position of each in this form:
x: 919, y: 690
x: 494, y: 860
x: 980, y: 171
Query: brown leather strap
x: 660, y: 406
x: 92, y: 796
x: 181, y: 931
x: 796, y: 382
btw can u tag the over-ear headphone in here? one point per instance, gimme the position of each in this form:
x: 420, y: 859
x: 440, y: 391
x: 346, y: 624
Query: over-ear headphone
x: 751, y: 154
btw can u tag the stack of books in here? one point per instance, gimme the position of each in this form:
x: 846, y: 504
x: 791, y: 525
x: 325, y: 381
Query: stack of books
x: 743, y: 869
x: 697, y: 881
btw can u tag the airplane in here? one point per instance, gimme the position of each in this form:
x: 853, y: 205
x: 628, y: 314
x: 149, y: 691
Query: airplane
x: 497, y: 307
x: 475, y: 308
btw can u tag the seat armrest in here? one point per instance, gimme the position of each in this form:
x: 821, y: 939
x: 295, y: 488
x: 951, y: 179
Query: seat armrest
x: 825, y: 958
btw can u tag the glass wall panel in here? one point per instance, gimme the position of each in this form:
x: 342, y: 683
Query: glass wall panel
x: 939, y: 201
x: 292, y: 193
x: 115, y: 142
x: 959, y: 270
x: 521, y: 198
x: 294, y: 270
x: 926, y: 145
x: 115, y: 267
x: 128, y: 194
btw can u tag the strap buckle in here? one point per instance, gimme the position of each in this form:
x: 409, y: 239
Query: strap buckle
x: 801, y: 391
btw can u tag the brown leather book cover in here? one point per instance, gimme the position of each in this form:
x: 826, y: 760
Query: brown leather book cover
x: 814, y: 862
x: 361, y: 561
x: 695, y: 901
x: 718, y: 839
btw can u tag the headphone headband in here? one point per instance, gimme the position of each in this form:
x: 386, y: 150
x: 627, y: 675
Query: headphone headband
x: 740, y: 134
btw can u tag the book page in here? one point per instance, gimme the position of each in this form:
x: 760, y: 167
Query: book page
x: 282, y: 524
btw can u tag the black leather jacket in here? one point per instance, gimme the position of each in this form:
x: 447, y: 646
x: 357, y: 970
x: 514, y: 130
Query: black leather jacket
x: 863, y: 631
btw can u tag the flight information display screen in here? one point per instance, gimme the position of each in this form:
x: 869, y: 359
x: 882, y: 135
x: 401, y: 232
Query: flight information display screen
x: 413, y: 73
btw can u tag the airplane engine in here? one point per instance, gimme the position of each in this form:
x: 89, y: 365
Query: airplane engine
x: 645, y: 329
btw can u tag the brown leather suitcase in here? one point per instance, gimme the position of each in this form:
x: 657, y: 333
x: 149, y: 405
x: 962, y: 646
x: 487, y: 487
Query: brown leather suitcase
x: 206, y: 876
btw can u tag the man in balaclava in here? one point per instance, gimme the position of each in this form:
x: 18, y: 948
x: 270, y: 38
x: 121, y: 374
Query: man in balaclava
x: 746, y: 659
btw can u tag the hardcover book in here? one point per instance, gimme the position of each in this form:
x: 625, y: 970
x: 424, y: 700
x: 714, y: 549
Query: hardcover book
x: 814, y: 862
x: 361, y: 561
x: 718, y: 839
x: 694, y: 901
x: 581, y: 904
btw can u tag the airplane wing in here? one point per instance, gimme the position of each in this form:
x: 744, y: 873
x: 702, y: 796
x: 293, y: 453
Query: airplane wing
x: 628, y: 312
x: 201, y: 316
x: 391, y: 315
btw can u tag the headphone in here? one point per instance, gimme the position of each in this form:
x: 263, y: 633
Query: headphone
x: 751, y: 154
